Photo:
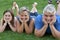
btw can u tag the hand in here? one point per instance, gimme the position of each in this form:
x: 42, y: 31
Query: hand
x: 21, y: 20
x: 53, y: 21
x: 26, y: 19
x: 5, y: 24
x: 45, y: 22
x: 8, y: 22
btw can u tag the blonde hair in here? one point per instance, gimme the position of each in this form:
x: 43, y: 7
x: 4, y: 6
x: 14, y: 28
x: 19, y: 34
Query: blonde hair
x: 23, y: 9
x: 50, y: 8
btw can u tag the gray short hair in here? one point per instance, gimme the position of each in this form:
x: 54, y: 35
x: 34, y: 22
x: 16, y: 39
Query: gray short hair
x: 49, y: 8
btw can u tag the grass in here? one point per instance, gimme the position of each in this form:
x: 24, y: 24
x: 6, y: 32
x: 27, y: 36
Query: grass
x: 9, y: 35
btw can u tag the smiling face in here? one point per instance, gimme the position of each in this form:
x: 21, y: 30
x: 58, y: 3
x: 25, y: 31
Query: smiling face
x: 24, y: 16
x: 7, y: 16
x: 48, y: 16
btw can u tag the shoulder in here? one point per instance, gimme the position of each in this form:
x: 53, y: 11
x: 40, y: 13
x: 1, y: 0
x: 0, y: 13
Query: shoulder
x: 57, y: 18
x: 15, y: 20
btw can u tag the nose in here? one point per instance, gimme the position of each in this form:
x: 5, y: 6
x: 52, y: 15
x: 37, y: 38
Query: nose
x: 48, y: 18
x: 7, y: 17
x: 23, y: 17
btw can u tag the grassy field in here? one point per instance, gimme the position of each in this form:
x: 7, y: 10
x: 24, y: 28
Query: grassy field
x: 9, y: 35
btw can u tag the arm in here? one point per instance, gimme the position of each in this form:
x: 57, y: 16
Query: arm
x: 40, y: 28
x: 2, y: 27
x: 54, y: 31
x: 41, y: 32
x: 29, y: 29
x: 19, y: 27
x: 13, y: 28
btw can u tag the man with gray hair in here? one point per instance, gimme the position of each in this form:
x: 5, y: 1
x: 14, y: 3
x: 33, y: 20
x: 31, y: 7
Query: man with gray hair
x: 48, y: 23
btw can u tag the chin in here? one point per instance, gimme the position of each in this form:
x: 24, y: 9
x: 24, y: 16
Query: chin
x: 10, y: 20
x: 48, y: 22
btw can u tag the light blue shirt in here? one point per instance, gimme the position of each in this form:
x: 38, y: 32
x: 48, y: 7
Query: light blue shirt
x: 39, y: 23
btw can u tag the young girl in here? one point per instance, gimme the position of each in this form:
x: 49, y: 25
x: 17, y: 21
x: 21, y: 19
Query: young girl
x: 8, y: 21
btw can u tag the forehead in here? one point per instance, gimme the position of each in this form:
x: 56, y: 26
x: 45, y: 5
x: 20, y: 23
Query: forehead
x: 48, y: 13
x: 24, y: 13
x: 7, y: 13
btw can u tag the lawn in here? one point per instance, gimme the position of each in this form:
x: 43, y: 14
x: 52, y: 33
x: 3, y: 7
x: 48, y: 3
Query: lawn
x: 9, y: 35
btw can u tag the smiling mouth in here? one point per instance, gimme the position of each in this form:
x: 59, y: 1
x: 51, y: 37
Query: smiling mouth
x: 25, y: 18
x: 21, y: 18
x: 7, y: 18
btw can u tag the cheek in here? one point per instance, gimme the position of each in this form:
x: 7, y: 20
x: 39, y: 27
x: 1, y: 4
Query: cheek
x: 27, y: 17
x: 45, y: 17
x: 5, y: 18
x: 52, y: 18
x: 10, y: 18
